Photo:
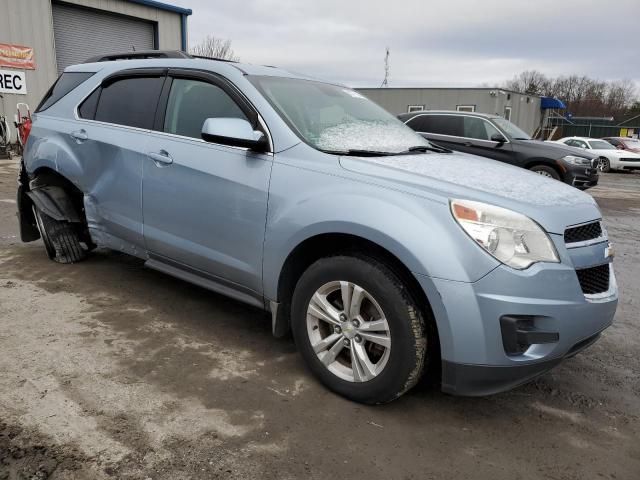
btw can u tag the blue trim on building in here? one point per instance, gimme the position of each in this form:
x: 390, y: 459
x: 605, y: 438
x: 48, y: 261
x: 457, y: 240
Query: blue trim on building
x: 163, y: 6
x: 183, y: 25
x: 550, y: 102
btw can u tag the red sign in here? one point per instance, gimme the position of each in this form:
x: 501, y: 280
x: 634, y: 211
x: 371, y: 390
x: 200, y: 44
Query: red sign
x: 16, y: 56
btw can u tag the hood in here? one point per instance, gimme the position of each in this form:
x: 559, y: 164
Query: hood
x: 550, y: 202
x: 620, y: 153
x: 554, y: 149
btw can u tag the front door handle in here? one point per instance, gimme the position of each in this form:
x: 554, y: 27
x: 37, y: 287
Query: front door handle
x: 161, y: 158
x: 468, y: 144
x: 79, y: 135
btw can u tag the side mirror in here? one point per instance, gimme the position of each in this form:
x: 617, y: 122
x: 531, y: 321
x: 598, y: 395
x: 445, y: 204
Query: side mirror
x: 234, y: 132
x: 499, y: 138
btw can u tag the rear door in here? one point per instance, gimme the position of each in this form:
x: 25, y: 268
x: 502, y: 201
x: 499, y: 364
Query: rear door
x: 205, y: 204
x: 110, y: 142
x: 445, y: 130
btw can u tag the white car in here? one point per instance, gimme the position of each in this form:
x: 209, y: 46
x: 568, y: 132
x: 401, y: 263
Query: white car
x: 610, y: 157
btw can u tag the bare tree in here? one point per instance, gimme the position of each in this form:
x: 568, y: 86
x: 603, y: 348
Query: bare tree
x: 531, y: 82
x: 583, y: 96
x: 213, y: 47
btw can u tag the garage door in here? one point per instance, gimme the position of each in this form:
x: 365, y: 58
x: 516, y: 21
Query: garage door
x: 82, y: 33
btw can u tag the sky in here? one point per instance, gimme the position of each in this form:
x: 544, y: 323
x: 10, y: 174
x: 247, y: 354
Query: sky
x: 457, y: 43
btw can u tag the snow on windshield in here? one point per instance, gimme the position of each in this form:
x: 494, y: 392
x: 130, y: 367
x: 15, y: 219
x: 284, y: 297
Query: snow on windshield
x: 375, y: 136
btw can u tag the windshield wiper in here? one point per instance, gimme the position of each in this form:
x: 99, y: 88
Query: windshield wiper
x: 354, y: 152
x: 426, y: 148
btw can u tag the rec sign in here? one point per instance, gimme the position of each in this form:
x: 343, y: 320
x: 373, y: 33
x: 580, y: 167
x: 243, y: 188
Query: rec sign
x: 12, y: 81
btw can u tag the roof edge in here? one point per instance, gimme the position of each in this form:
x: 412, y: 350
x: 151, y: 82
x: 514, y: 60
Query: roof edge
x: 498, y: 89
x: 162, y: 6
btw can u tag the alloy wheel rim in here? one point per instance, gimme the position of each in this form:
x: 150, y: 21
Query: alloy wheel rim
x: 543, y: 173
x: 602, y: 165
x: 348, y: 331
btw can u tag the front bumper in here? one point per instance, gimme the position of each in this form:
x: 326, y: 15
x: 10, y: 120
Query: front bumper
x: 476, y: 360
x: 580, y: 176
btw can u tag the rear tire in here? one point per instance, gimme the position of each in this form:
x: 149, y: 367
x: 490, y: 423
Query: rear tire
x: 546, y: 171
x: 374, y: 348
x: 60, y: 238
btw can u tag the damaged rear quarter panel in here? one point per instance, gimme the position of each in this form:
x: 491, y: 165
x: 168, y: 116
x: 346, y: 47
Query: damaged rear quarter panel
x: 108, y: 172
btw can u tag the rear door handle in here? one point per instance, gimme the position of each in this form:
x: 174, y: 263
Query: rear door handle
x: 161, y: 158
x: 80, y: 135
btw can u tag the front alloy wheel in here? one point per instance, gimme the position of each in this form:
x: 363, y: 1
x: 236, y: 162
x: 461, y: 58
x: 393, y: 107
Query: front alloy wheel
x: 348, y: 331
x: 359, y: 329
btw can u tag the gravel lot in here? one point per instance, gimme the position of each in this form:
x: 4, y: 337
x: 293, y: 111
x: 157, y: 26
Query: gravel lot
x: 110, y: 370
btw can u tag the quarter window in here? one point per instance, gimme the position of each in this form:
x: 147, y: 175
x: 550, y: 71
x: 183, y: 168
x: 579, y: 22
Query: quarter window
x: 191, y: 102
x: 65, y: 83
x: 130, y: 101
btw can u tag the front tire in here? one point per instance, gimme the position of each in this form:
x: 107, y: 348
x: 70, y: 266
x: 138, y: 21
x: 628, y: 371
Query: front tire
x: 604, y: 165
x: 358, y: 329
x: 546, y: 171
x: 60, y: 238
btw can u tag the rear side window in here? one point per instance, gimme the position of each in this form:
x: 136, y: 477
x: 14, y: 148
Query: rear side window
x: 88, y: 107
x: 191, y: 102
x: 438, y: 124
x: 65, y: 83
x: 130, y: 101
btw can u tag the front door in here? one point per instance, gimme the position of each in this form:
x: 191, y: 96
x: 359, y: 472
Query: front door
x: 204, y: 204
x: 477, y: 133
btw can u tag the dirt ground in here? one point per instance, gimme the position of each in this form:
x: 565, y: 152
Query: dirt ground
x: 110, y: 370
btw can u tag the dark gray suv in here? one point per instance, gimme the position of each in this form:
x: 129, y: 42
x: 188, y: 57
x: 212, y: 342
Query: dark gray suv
x: 495, y: 137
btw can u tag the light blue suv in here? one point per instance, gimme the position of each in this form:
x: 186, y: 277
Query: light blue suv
x: 388, y: 258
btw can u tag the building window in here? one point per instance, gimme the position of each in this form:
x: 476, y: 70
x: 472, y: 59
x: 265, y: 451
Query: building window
x: 466, y: 108
x: 507, y: 113
x: 415, y: 108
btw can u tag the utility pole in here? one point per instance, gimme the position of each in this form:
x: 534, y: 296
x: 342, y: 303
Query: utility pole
x: 385, y: 82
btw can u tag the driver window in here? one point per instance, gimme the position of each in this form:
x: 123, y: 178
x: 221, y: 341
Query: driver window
x: 478, y: 128
x: 191, y: 102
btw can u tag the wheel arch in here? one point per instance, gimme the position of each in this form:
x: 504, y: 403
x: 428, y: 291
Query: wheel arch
x: 545, y: 162
x: 328, y: 244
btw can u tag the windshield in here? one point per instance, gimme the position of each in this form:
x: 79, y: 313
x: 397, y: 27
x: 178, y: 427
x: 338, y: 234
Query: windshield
x: 601, y: 145
x: 510, y: 129
x: 336, y: 119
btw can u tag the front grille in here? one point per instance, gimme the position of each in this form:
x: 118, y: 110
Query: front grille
x: 594, y: 280
x: 585, y: 232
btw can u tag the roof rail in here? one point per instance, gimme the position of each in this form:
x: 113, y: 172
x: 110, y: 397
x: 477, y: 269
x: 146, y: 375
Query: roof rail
x: 139, y: 55
x: 204, y: 57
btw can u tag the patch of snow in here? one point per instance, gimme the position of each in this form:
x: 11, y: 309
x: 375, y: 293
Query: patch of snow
x: 376, y: 136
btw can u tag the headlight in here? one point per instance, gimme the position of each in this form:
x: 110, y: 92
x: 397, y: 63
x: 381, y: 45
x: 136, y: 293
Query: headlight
x: 577, y: 160
x: 510, y: 237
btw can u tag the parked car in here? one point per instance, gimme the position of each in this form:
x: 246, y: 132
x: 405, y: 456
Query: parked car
x: 388, y: 258
x: 624, y: 143
x: 611, y: 158
x: 496, y: 138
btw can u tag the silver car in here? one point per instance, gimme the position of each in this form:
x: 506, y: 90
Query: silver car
x: 388, y: 258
